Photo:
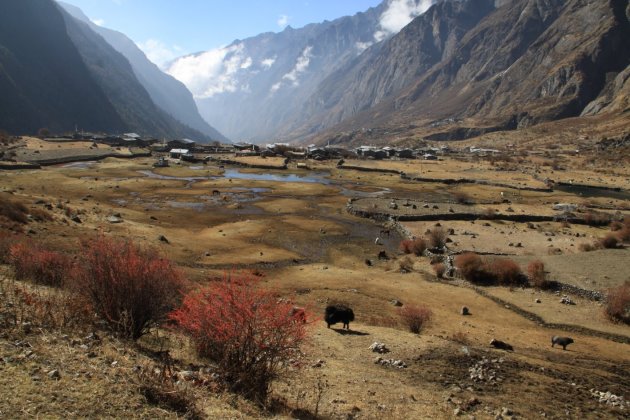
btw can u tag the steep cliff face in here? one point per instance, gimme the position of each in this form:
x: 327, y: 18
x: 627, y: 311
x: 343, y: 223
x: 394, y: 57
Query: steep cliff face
x: 526, y: 62
x: 43, y: 79
x: 115, y: 76
x: 165, y: 91
x: 261, y: 83
x: 385, y: 69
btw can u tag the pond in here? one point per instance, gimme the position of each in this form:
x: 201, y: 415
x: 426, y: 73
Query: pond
x: 313, y: 178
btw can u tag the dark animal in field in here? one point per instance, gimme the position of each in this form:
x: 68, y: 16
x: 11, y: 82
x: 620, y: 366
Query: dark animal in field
x: 465, y: 310
x: 563, y: 341
x: 338, y: 313
x: 497, y: 344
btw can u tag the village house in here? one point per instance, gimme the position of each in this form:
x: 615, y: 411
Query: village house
x: 178, y: 153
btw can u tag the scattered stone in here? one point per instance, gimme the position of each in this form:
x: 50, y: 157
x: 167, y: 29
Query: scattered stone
x: 377, y: 347
x: 319, y: 363
x: 76, y: 219
x: 396, y: 302
x: 565, y: 300
x: 390, y: 362
x: 54, y: 374
x: 114, y: 219
x: 163, y: 238
x: 465, y: 310
x: 610, y: 399
x: 537, y: 301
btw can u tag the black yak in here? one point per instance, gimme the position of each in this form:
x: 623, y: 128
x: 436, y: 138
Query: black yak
x: 338, y: 313
x: 563, y: 341
x: 498, y: 344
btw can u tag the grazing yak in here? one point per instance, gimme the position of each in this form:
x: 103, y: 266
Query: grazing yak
x: 498, y: 344
x: 338, y: 313
x: 563, y: 341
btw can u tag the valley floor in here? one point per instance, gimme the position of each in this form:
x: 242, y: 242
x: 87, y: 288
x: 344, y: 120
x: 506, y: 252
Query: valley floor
x: 298, y: 234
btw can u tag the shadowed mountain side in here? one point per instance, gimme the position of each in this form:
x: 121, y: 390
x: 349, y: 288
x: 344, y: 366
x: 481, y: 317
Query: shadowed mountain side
x: 43, y: 79
x: 166, y: 92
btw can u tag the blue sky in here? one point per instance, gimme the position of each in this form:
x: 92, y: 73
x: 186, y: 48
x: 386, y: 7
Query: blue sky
x: 165, y: 29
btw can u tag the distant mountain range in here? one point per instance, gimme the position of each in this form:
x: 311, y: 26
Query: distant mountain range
x: 463, y: 68
x: 57, y: 72
x: 414, y: 69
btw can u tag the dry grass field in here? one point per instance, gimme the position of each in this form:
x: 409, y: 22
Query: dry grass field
x: 291, y: 227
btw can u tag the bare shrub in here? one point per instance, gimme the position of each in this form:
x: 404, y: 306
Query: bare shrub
x: 405, y: 265
x: 439, y: 269
x: 618, y: 303
x: 593, y: 218
x: 537, y: 275
x: 489, y: 213
x: 505, y: 272
x: 6, y: 241
x: 245, y: 330
x: 415, y: 317
x: 31, y: 262
x: 437, y: 237
x: 470, y: 266
x: 12, y: 210
x: 460, y: 337
x: 131, y: 288
x: 588, y: 247
x: 461, y: 197
x: 609, y: 241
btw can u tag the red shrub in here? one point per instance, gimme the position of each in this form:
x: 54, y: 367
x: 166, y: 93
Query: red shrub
x: 609, y: 241
x: 31, y: 262
x: 131, y: 288
x: 415, y: 246
x: 245, y: 330
x: 439, y: 269
x: 618, y: 303
x: 505, y: 272
x: 537, y: 275
x: 470, y: 266
x: 415, y: 317
x: 13, y: 210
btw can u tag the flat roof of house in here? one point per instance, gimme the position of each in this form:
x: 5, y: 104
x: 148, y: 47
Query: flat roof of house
x: 179, y: 151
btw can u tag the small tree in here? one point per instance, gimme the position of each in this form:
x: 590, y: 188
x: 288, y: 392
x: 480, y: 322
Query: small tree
x: 245, y: 330
x: 415, y: 317
x: 131, y: 288
x: 505, y: 271
x: 470, y: 267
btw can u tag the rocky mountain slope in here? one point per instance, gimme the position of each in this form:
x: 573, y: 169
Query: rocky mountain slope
x: 166, y: 92
x: 59, y: 74
x: 254, y: 87
x: 43, y: 79
x: 526, y: 62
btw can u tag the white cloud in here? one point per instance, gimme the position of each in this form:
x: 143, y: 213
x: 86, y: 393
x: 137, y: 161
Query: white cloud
x: 212, y: 72
x: 160, y: 53
x: 268, y: 62
x: 99, y: 22
x: 300, y: 66
x: 293, y: 77
x: 362, y: 46
x: 398, y: 14
x: 283, y: 20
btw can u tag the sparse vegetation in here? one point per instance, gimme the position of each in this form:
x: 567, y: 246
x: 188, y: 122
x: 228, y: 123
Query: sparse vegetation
x: 131, y: 288
x: 437, y: 237
x: 500, y: 271
x: 245, y: 330
x: 415, y: 317
x: 537, y: 275
x: 618, y: 303
x: 609, y: 241
x: 439, y: 269
x: 415, y: 246
x: 31, y: 261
